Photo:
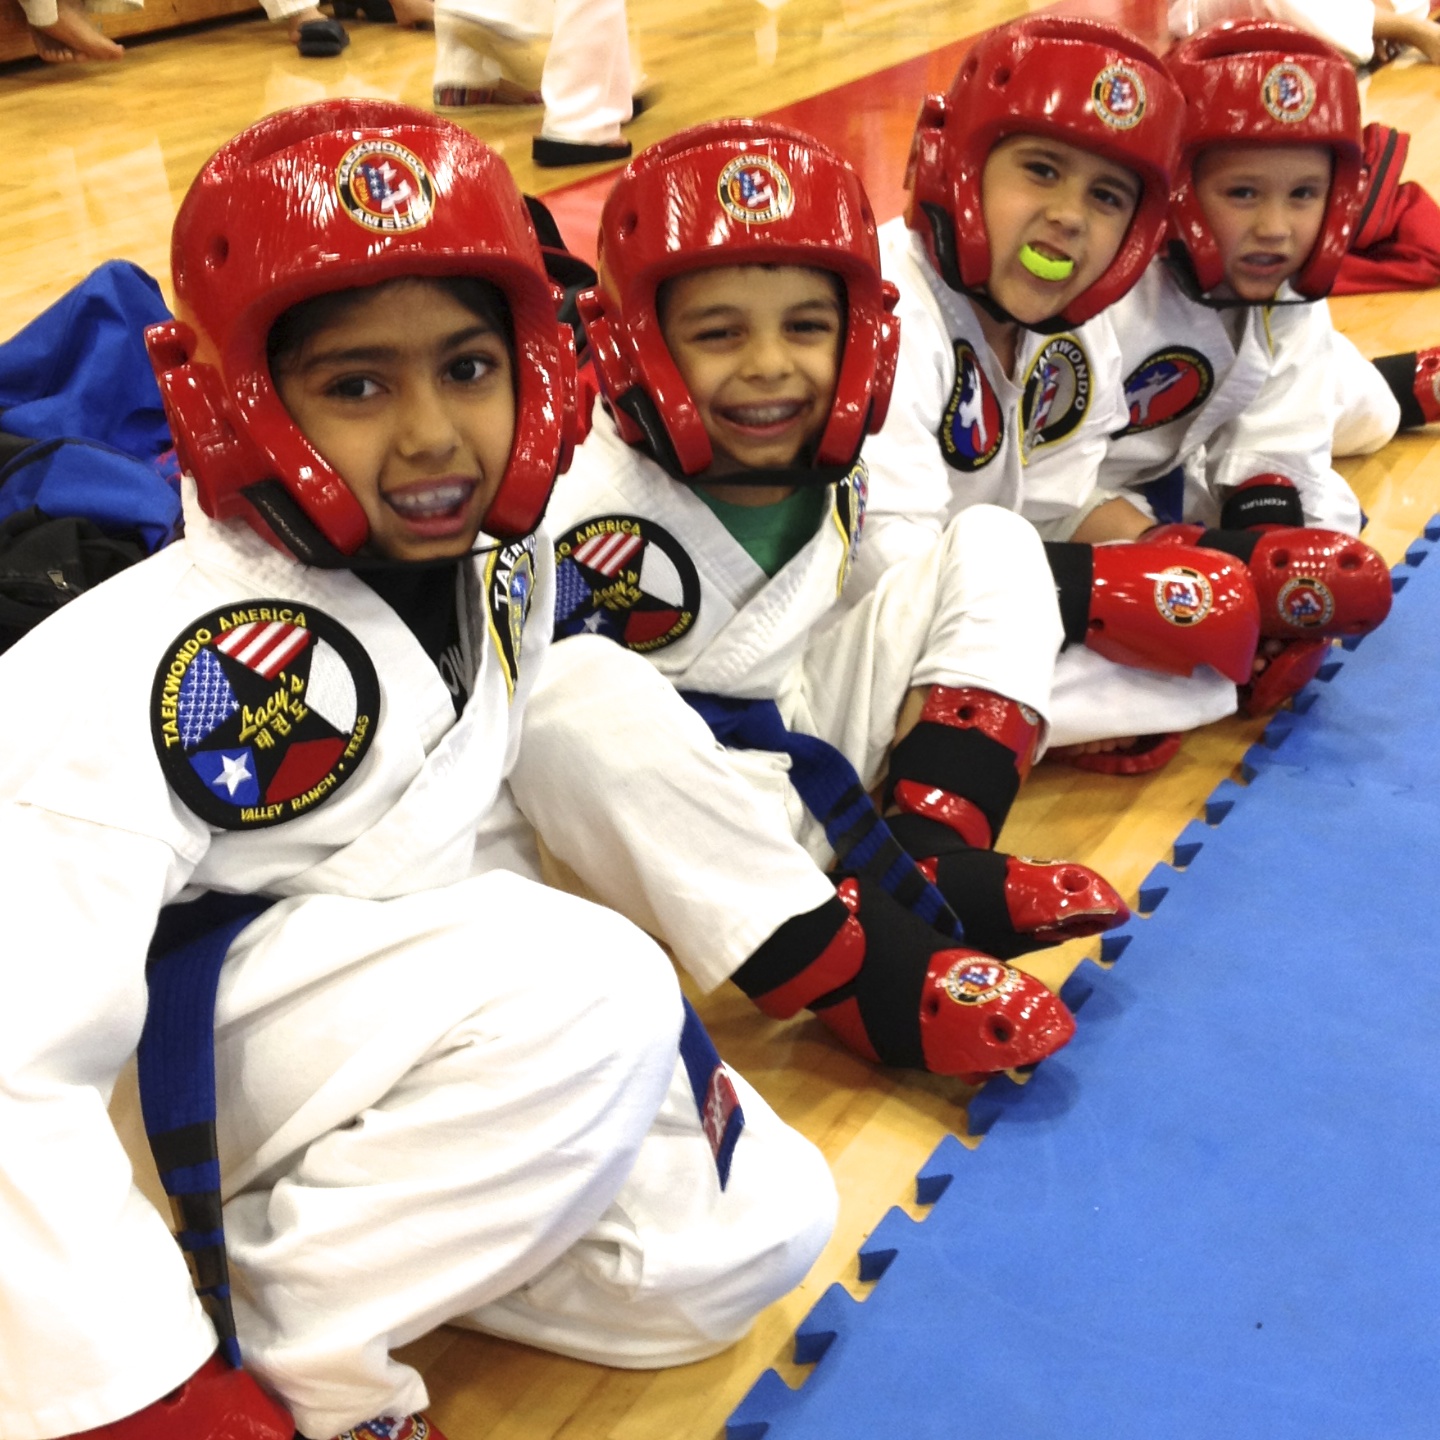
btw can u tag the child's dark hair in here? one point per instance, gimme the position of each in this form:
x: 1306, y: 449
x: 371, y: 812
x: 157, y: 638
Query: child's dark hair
x: 666, y: 289
x: 290, y: 332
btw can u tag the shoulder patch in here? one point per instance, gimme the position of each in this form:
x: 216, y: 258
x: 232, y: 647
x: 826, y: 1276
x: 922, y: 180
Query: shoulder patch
x: 848, y: 514
x: 509, y: 588
x: 627, y: 579
x: 261, y: 711
x: 1056, y: 396
x: 974, y: 426
x: 1166, y: 386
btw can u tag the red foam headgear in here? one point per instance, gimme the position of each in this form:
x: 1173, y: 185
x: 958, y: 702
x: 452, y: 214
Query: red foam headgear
x: 326, y: 197
x: 1088, y: 84
x: 1268, y: 84
x: 734, y: 192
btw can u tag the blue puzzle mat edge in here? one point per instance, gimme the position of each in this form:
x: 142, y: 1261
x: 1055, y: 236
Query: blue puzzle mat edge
x: 1121, y: 1258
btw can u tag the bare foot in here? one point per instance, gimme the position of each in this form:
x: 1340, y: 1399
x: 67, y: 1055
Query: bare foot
x: 414, y: 14
x: 73, y: 36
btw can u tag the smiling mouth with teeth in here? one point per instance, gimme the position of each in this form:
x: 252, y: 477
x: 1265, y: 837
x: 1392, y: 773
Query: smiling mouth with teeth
x: 425, y: 502
x: 758, y: 416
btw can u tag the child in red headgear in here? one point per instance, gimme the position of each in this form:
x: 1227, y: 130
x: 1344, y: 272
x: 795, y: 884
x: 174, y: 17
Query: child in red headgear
x: 744, y: 345
x: 1040, y: 186
x: 272, y: 755
x: 1229, y: 355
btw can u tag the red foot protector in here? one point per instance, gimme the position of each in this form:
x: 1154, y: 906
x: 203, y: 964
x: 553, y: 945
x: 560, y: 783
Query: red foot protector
x: 1142, y: 756
x: 978, y: 1017
x: 1286, y: 675
x: 1318, y: 582
x: 215, y: 1403
x: 1046, y: 901
x: 1171, y: 607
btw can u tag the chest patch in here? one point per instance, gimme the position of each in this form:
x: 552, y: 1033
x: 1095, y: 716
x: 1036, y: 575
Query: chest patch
x: 627, y: 579
x: 509, y: 588
x: 1057, y: 394
x: 1166, y: 386
x: 974, y: 427
x: 848, y: 514
x: 260, y: 712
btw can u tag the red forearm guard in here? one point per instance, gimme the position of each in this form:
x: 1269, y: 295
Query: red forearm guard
x: 215, y: 1403
x: 1164, y: 604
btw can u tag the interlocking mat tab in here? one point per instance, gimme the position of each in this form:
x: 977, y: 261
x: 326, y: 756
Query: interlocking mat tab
x: 1216, y: 1213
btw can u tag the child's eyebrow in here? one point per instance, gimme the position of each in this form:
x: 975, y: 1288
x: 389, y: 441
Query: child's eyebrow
x: 375, y: 354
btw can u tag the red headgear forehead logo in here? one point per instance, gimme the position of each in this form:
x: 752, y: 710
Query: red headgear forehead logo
x: 755, y: 190
x: 1288, y: 93
x: 384, y: 187
x: 1118, y: 95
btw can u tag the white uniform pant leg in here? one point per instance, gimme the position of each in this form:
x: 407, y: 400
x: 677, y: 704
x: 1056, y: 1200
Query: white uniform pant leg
x: 283, y: 9
x: 625, y: 784
x: 478, y: 42
x: 1096, y: 699
x: 977, y: 609
x: 685, y: 1265
x: 1369, y: 412
x: 587, y: 81
x: 424, y: 1102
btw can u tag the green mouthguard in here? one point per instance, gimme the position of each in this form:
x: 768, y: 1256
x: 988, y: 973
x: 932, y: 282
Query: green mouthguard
x: 1044, y: 266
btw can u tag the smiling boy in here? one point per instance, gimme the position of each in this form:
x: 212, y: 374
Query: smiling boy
x: 744, y: 346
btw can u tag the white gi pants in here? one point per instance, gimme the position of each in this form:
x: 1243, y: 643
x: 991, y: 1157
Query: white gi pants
x: 586, y: 81
x: 711, y: 849
x: 41, y: 13
x: 1369, y: 412
x: 466, y: 1103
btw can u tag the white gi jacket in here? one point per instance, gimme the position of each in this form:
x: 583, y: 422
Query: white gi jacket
x: 397, y: 983
x: 961, y: 432
x: 1229, y: 394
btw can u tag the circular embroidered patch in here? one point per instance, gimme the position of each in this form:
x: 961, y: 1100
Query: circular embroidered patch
x: 755, y: 190
x: 383, y: 187
x: 977, y: 982
x: 627, y: 579
x: 1183, y: 596
x: 1118, y: 96
x: 261, y: 712
x: 1288, y: 93
x: 1165, y: 386
x: 973, y: 428
x: 509, y: 587
x: 1305, y: 602
x: 1057, y: 393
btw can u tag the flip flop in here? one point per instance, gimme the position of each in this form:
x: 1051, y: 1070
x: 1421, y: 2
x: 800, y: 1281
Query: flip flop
x: 321, y: 39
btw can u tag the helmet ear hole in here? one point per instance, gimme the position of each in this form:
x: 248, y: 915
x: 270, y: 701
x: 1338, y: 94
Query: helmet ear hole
x: 217, y: 252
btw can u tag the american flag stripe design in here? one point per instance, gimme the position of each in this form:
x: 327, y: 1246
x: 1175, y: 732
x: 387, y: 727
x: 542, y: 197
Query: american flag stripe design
x: 607, y: 553
x: 264, y: 648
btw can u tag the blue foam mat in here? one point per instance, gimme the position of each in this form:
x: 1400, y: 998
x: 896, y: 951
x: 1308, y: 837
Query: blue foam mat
x: 1214, y: 1214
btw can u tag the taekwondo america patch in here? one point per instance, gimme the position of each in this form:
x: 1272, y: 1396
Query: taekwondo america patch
x: 848, y: 515
x: 973, y: 428
x: 509, y: 588
x: 261, y: 711
x: 1166, y: 386
x: 626, y: 579
x: 1057, y: 394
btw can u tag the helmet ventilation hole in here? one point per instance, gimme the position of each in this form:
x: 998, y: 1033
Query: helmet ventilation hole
x: 1001, y: 77
x: 217, y: 253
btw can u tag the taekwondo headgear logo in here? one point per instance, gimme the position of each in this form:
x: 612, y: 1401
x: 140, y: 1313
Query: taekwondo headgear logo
x: 385, y: 188
x: 755, y: 190
x: 1288, y: 93
x: 1118, y: 95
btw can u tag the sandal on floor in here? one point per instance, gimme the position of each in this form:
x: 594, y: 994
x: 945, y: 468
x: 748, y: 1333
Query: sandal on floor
x: 551, y: 154
x: 473, y: 97
x: 1149, y: 752
x: 321, y: 39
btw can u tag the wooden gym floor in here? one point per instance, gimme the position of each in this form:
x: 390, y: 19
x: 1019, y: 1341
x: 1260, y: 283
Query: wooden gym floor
x: 98, y: 157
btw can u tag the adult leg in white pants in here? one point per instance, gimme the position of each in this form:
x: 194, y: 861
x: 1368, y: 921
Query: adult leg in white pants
x: 587, y: 85
x: 425, y: 1103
